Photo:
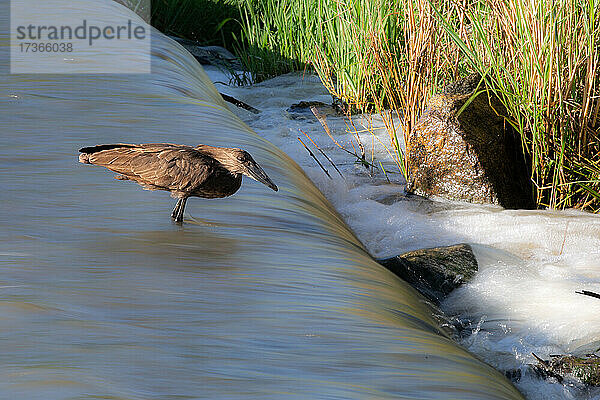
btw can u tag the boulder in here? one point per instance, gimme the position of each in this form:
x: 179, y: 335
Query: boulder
x: 434, y: 272
x: 471, y: 156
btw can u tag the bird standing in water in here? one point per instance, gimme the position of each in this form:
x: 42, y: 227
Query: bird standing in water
x: 185, y: 171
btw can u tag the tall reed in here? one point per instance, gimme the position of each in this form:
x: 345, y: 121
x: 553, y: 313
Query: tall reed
x: 386, y: 57
x: 275, y: 36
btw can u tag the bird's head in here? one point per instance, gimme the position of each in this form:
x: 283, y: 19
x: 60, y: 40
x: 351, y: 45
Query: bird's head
x: 241, y: 162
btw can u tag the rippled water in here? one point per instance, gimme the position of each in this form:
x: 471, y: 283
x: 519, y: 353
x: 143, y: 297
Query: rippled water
x: 261, y: 295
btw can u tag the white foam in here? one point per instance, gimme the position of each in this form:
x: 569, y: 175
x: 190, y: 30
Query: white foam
x: 522, y: 301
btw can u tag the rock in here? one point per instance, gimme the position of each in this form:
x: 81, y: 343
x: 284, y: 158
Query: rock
x: 586, y: 369
x: 513, y: 375
x: 435, y: 272
x: 302, y: 110
x: 475, y: 156
x: 210, y: 55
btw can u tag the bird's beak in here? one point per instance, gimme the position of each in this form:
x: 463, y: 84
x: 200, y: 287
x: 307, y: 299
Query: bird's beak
x: 255, y: 172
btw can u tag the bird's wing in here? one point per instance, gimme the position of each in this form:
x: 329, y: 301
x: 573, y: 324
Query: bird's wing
x: 166, y: 166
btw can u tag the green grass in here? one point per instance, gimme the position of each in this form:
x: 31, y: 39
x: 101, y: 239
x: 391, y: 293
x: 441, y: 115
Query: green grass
x: 540, y: 58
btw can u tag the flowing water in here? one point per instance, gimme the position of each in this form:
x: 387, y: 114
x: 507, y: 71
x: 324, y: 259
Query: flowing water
x: 261, y: 295
x: 531, y: 263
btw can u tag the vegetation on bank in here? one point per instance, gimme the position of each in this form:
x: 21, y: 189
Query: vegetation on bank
x: 540, y: 58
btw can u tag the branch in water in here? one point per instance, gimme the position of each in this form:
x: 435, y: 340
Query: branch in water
x: 322, y: 152
x: 315, y: 158
x: 588, y: 293
x: 239, y: 103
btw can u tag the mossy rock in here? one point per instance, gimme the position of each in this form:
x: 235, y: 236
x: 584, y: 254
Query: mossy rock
x: 470, y: 154
x: 585, y: 369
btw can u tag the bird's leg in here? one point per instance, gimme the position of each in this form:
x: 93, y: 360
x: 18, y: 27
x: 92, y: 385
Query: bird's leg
x: 176, y: 209
x: 180, y: 211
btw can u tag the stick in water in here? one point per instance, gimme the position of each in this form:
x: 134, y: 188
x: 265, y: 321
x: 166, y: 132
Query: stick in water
x: 322, y: 152
x: 239, y: 103
x: 315, y: 158
x: 588, y: 293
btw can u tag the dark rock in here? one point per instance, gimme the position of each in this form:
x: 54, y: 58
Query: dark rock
x: 473, y: 156
x: 302, y: 110
x: 435, y: 272
x: 513, y: 375
x: 210, y: 55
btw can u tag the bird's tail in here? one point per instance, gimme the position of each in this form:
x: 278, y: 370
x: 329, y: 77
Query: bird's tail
x: 84, y: 158
x: 86, y: 152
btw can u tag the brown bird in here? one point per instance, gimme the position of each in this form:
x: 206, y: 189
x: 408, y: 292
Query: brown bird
x: 185, y: 171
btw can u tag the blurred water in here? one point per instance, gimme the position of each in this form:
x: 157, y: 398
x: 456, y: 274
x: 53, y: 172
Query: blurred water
x: 261, y: 295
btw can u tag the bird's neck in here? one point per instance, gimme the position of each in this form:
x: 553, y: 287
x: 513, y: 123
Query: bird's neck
x: 221, y: 154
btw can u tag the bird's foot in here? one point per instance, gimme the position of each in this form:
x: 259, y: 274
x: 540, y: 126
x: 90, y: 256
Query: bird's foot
x: 203, y: 222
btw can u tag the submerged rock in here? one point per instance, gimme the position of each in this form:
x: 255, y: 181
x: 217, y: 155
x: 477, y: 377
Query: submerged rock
x: 435, y: 272
x: 472, y: 156
x: 303, y: 109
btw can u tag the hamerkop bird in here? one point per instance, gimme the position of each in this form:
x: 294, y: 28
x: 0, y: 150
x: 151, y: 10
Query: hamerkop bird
x: 185, y: 171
